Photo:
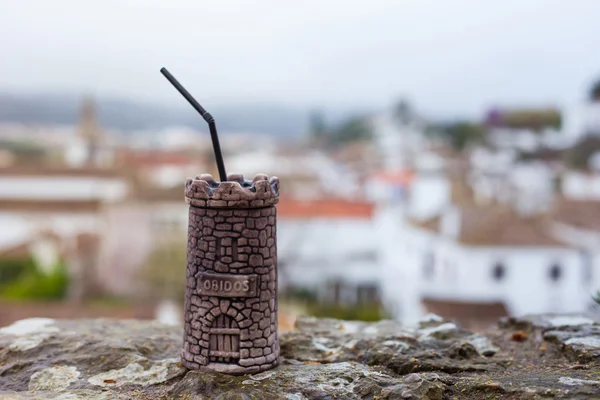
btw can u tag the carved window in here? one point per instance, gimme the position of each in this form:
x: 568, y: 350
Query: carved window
x: 227, y: 247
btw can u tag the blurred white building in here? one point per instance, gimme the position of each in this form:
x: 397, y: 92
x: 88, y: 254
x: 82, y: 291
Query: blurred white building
x: 477, y: 262
x: 67, y: 205
x: 384, y: 187
x: 308, y: 175
x: 329, y: 247
x: 496, y: 177
x: 581, y: 119
x: 579, y: 185
x: 487, y: 257
x: 89, y: 147
x: 399, y: 139
x: 527, y: 140
x: 577, y: 222
x: 583, y: 185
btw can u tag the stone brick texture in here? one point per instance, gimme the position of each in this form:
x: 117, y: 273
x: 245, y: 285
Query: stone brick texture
x: 231, y: 232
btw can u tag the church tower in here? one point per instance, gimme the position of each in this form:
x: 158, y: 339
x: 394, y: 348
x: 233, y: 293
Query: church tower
x: 88, y: 147
x: 90, y: 133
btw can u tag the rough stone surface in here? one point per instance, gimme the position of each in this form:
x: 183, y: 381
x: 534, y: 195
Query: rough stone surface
x: 552, y: 357
x: 231, y: 275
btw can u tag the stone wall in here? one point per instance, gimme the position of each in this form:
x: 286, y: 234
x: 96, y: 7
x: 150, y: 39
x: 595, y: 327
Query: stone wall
x: 231, y: 277
x: 534, y: 358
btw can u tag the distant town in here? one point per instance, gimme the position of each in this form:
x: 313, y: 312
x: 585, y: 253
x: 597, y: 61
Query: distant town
x: 382, y: 215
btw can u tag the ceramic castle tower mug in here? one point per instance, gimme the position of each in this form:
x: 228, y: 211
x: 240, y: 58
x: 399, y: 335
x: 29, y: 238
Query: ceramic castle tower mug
x: 230, y: 318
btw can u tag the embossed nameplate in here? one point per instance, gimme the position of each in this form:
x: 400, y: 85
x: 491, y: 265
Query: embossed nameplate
x: 227, y: 285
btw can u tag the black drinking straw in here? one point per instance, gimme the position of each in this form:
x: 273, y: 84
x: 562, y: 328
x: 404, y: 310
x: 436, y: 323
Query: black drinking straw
x: 207, y: 117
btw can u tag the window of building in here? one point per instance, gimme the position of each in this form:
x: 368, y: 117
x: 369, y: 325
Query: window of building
x: 336, y: 289
x: 449, y: 270
x: 366, y: 256
x: 555, y: 272
x: 367, y: 294
x: 587, y: 267
x: 498, y: 272
x: 428, y: 266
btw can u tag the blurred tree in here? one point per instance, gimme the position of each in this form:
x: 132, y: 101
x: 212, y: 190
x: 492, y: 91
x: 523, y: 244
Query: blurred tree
x: 463, y: 134
x: 164, y: 274
x: 317, y: 126
x: 25, y: 152
x: 359, y: 312
x: 595, y: 91
x: 543, y: 153
x: 23, y: 280
x: 403, y: 112
x: 13, y: 269
x: 534, y: 119
x: 577, y: 156
x: 351, y: 130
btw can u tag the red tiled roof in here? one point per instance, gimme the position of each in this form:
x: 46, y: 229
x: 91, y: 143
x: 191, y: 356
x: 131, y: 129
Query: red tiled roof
x: 584, y: 214
x: 47, y: 206
x: 22, y: 250
x: 58, y: 170
x: 139, y: 158
x: 471, y: 315
x: 325, y: 208
x: 16, y: 252
x: 87, y: 243
x: 496, y: 226
x: 401, y: 177
x: 154, y: 194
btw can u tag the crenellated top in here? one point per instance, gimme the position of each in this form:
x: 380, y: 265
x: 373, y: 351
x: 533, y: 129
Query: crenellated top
x: 237, y: 192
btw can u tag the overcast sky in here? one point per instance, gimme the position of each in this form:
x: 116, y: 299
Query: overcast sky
x: 449, y: 57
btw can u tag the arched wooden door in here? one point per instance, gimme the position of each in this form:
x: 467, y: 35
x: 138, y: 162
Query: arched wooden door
x: 224, y: 340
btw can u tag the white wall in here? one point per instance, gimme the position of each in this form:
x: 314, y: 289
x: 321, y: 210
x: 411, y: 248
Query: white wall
x: 465, y: 273
x: 522, y: 139
x: 129, y: 238
x: 167, y: 176
x: 14, y: 230
x: 401, y: 250
x: 325, y: 237
x: 132, y: 232
x: 532, y: 187
x: 63, y: 223
x: 581, y: 186
x: 588, y: 242
x: 429, y: 193
x: 76, y: 152
x: 313, y: 252
x: 62, y: 188
x: 398, y: 145
x: 580, y: 119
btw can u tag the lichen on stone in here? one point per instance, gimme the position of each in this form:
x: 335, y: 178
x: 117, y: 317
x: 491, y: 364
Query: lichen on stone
x: 29, y: 333
x: 321, y: 359
x: 136, y: 374
x: 55, y: 379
